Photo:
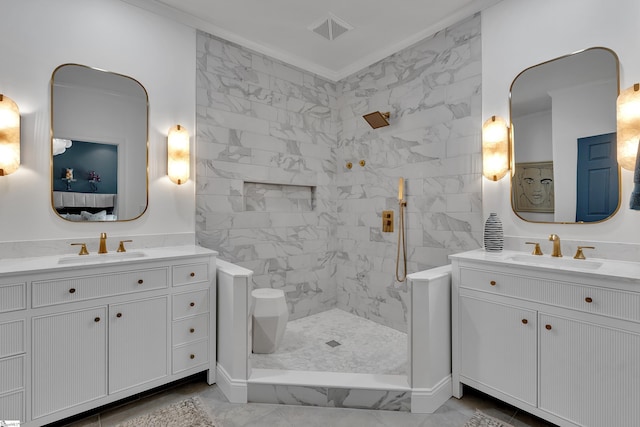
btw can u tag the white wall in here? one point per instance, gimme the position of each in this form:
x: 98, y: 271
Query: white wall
x: 517, y: 34
x: 38, y: 35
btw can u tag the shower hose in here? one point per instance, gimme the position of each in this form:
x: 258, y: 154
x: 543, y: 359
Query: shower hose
x: 401, y: 242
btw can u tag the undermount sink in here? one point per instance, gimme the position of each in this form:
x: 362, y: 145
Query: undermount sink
x: 98, y: 258
x: 556, y: 262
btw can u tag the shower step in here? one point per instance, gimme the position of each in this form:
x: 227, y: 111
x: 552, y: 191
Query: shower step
x: 330, y: 389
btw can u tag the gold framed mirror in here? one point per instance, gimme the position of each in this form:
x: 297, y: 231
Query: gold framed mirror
x: 99, y: 145
x: 563, y: 152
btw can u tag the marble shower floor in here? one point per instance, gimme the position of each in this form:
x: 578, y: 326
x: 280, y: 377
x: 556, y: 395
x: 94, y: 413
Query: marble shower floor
x: 365, y: 347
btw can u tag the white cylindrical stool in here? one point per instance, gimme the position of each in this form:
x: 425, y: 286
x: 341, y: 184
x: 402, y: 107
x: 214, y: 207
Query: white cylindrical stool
x: 270, y: 315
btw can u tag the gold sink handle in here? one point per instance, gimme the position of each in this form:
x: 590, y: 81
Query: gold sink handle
x: 121, y: 247
x: 83, y: 249
x: 536, y: 249
x: 579, y: 254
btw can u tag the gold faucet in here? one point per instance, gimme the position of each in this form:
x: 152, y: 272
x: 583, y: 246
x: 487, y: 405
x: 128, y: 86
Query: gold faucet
x: 557, y: 252
x: 103, y: 243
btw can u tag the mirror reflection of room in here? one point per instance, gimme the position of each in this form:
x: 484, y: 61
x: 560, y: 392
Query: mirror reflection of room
x: 563, y: 114
x: 99, y: 145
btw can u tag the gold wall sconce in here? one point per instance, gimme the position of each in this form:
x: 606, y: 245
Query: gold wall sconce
x: 9, y: 136
x: 495, y: 148
x: 377, y: 119
x: 178, y: 159
x: 628, y: 119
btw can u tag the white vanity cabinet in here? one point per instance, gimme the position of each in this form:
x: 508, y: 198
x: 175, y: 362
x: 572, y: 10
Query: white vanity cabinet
x: 89, y: 334
x: 13, y: 324
x: 561, y: 343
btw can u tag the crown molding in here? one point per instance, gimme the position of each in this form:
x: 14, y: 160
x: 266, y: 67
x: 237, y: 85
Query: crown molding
x: 195, y: 22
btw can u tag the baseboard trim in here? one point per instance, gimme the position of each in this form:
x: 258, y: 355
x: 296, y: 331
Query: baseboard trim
x: 234, y: 390
x: 428, y: 400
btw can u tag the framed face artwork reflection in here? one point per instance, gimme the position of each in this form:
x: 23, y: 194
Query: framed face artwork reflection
x: 534, y: 187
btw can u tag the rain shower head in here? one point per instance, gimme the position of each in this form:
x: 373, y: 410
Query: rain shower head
x: 377, y: 119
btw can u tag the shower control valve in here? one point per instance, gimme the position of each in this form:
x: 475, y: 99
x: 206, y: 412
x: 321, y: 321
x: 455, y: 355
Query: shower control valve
x: 387, y: 221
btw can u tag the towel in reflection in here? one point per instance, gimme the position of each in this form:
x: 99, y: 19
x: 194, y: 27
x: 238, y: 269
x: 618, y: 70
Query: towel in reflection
x: 635, y: 194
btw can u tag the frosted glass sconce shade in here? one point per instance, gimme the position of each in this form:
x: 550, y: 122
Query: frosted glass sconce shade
x: 178, y: 155
x: 628, y: 118
x: 495, y: 148
x: 9, y: 136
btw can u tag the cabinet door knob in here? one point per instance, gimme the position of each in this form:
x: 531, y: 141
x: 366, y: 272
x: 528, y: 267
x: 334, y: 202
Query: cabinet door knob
x: 140, y: 281
x: 192, y: 274
x: 192, y: 356
x: 192, y: 304
x: 97, y: 319
x: 589, y: 300
x: 119, y: 315
x: 192, y: 330
x: 492, y: 283
x: 548, y: 327
x: 72, y: 290
x: 525, y: 321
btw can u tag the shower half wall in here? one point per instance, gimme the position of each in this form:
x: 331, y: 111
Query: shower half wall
x: 273, y: 192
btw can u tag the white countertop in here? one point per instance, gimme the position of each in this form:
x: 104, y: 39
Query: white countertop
x: 58, y: 262
x: 593, y: 267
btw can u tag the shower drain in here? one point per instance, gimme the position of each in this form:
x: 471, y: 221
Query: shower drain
x: 333, y: 343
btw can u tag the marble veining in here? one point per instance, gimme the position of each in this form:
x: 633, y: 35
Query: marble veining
x: 365, y: 346
x: 268, y: 123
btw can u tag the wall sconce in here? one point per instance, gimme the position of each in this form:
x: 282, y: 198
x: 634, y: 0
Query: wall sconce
x: 9, y: 136
x: 178, y: 154
x: 495, y: 148
x: 628, y: 118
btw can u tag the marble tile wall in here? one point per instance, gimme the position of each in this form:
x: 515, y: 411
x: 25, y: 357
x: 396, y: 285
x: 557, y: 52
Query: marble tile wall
x: 265, y: 198
x: 267, y: 132
x: 433, y: 92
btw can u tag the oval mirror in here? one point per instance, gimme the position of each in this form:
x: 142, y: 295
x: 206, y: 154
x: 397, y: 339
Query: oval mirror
x: 99, y: 146
x: 563, y: 116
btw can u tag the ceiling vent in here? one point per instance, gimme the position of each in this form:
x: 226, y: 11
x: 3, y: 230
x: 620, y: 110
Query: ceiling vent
x: 331, y: 27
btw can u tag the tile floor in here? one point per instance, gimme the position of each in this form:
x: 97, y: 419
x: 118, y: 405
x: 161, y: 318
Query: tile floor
x: 365, y: 347
x: 454, y: 413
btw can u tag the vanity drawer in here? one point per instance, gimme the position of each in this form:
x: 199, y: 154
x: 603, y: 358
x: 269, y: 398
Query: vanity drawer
x: 13, y: 296
x: 11, y: 338
x: 591, y: 299
x: 190, y: 304
x: 11, y: 374
x: 189, y: 356
x: 190, y: 273
x: 59, y: 291
x: 190, y: 329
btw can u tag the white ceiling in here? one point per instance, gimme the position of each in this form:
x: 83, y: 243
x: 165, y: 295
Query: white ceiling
x: 280, y: 28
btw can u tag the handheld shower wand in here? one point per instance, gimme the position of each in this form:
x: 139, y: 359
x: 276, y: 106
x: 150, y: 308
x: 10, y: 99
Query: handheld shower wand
x: 401, y: 237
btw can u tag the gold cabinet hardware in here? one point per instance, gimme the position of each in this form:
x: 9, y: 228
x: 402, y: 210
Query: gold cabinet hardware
x: 83, y: 249
x: 192, y: 304
x: 349, y: 165
x: 140, y: 281
x: 362, y: 163
x: 387, y: 221
x: 492, y: 283
x: 579, y: 254
x: 192, y: 330
x: 192, y: 356
x: 192, y: 274
x: 97, y: 319
x: 536, y: 249
x: 525, y: 321
x: 548, y: 327
x: 588, y: 300
x: 121, y: 247
x: 72, y: 290
x: 119, y: 315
